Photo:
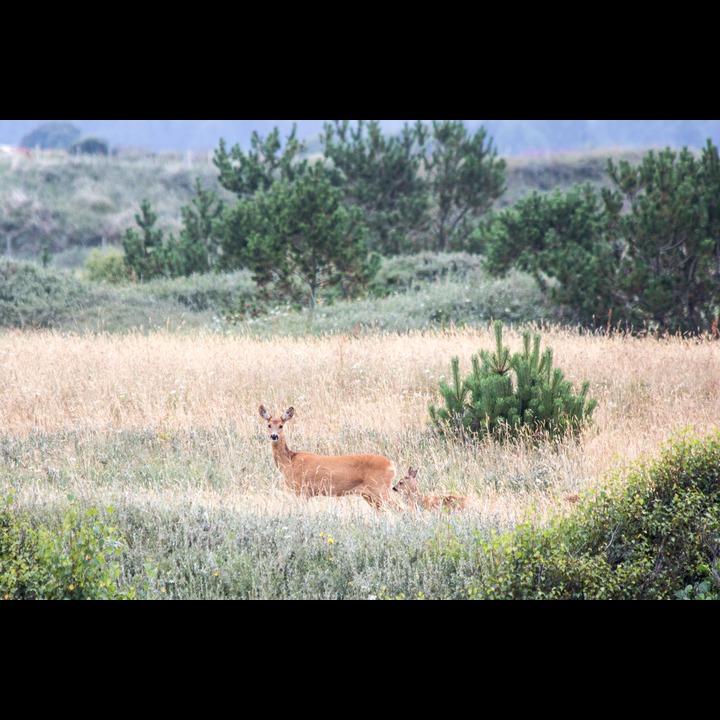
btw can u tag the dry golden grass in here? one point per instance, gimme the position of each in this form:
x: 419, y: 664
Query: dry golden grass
x: 351, y: 394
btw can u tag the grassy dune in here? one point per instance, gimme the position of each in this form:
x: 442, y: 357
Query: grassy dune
x: 165, y: 430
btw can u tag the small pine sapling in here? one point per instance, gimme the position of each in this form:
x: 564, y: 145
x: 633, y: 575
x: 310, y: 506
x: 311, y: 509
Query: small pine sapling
x: 504, y: 395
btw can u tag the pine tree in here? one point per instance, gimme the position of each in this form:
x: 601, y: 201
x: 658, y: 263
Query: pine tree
x: 381, y: 175
x: 301, y: 237
x: 670, y: 274
x: 493, y: 404
x: 547, y: 401
x: 144, y: 254
x: 244, y: 174
x: 560, y: 239
x: 199, y: 240
x: 465, y: 177
x: 488, y: 403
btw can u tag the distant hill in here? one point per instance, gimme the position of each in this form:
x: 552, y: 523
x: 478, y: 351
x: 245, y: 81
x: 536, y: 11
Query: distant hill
x: 511, y: 137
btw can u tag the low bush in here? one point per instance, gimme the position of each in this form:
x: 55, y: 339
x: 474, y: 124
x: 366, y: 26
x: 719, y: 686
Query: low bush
x: 106, y: 266
x: 35, y: 297
x: 406, y: 272
x: 233, y: 295
x: 80, y: 560
x: 653, y: 535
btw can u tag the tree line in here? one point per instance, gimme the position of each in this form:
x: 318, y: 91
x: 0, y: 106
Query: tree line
x: 644, y: 252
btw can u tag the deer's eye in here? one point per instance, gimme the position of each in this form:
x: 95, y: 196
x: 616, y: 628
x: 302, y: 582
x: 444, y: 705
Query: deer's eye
x: 269, y: 425
x: 280, y: 427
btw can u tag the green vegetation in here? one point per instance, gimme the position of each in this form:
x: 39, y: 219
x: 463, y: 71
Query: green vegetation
x: 106, y: 266
x: 430, y: 290
x: 423, y: 189
x: 635, y: 249
x: 298, y: 224
x: 466, y: 179
x: 80, y: 559
x: 290, y: 225
x: 34, y: 297
x: 658, y: 538
x: 560, y: 240
x: 267, y: 161
x: 199, y: 243
x: 644, y: 256
x: 487, y: 402
x: 149, y: 256
x: 146, y: 255
x: 669, y: 276
x: 44, y: 298
x: 380, y: 175
x: 300, y: 238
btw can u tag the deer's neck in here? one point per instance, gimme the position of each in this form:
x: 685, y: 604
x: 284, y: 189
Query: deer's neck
x: 282, y: 454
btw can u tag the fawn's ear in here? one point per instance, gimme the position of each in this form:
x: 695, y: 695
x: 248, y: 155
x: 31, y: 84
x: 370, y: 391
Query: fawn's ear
x: 288, y: 413
x: 412, y: 472
x: 264, y: 413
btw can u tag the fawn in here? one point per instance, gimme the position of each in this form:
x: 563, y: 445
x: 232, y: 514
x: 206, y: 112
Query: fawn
x: 409, y: 486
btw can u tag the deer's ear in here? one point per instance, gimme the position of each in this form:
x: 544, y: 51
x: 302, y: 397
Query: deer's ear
x: 288, y: 413
x: 264, y: 413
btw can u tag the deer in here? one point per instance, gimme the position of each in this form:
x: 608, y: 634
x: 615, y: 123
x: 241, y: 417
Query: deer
x: 368, y: 475
x: 410, y: 488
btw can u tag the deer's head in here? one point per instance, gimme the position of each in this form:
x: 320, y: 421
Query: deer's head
x: 275, y: 425
x: 408, y: 484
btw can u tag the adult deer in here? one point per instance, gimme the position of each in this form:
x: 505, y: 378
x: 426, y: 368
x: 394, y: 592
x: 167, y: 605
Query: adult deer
x: 369, y: 476
x: 409, y: 486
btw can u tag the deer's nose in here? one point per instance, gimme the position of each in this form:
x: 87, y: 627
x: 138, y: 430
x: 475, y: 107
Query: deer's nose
x: 274, y: 437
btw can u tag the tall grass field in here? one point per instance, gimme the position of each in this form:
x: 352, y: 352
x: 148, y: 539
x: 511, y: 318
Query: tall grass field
x: 159, y: 435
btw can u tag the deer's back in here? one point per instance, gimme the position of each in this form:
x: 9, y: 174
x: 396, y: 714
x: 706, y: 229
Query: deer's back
x: 340, y: 474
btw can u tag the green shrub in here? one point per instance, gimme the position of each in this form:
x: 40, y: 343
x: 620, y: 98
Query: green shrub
x: 17, y: 553
x: 36, y: 297
x: 487, y: 402
x: 32, y: 296
x: 405, y: 272
x: 233, y: 295
x: 80, y: 560
x: 106, y: 266
x: 654, y: 535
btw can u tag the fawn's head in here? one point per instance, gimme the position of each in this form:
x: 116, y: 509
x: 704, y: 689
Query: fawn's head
x: 408, y: 484
x: 275, y: 425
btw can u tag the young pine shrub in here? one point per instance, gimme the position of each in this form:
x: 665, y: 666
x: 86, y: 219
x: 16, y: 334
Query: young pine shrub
x: 505, y: 396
